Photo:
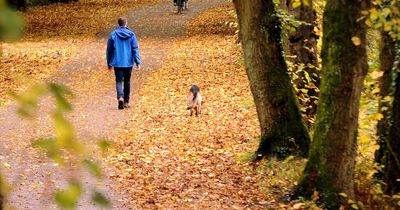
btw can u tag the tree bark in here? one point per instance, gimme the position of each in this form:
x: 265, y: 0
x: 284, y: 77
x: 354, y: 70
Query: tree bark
x: 303, y: 47
x: 388, y: 154
x: 330, y: 168
x: 283, y: 131
x: 391, y: 168
x: 386, y: 57
x: 2, y: 201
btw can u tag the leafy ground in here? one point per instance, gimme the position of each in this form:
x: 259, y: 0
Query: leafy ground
x: 167, y: 159
x: 162, y: 157
x: 53, y: 34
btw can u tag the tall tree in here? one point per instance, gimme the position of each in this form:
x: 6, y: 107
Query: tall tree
x: 302, y: 47
x: 388, y: 129
x: 391, y: 168
x: 388, y: 154
x: 283, y: 131
x: 386, y: 57
x: 330, y: 167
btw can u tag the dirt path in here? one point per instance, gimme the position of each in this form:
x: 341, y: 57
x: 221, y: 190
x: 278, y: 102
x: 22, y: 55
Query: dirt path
x: 95, y: 116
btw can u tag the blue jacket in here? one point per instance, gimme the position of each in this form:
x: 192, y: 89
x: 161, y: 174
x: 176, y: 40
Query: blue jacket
x: 122, y: 48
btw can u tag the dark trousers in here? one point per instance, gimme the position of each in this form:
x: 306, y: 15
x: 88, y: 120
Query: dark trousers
x: 123, y: 75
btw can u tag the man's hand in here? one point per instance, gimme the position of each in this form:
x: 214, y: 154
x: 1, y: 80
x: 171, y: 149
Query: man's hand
x: 110, y: 68
x: 139, y: 68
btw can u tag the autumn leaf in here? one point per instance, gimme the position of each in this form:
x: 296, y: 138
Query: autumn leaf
x: 356, y: 40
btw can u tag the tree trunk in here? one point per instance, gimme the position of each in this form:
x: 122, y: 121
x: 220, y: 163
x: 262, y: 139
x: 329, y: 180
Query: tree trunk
x: 391, y: 168
x: 2, y: 187
x: 303, y: 47
x: 386, y: 57
x: 330, y: 168
x: 388, y: 154
x: 283, y: 131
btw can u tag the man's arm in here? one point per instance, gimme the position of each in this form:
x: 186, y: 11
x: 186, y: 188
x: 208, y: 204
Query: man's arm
x: 135, y: 50
x: 110, y: 52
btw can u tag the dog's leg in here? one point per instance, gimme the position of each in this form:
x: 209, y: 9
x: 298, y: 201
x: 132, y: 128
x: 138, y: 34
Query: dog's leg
x: 199, y: 107
x: 191, y: 112
x: 197, y: 111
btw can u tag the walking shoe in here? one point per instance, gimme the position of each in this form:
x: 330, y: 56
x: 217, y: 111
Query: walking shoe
x: 126, y: 105
x: 121, y: 103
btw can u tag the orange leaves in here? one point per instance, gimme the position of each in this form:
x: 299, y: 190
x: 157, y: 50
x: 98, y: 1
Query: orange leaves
x: 85, y: 17
x: 25, y: 62
x: 176, y: 161
x: 210, y: 22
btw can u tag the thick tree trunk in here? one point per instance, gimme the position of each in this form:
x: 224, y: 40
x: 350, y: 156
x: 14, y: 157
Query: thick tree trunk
x: 330, y: 168
x: 391, y: 168
x: 386, y: 57
x: 388, y: 154
x: 283, y: 131
x: 303, y: 48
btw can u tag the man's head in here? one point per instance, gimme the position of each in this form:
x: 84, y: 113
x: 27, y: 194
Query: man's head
x: 122, y: 21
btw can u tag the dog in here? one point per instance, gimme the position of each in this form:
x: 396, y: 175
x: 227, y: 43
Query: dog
x: 194, y: 100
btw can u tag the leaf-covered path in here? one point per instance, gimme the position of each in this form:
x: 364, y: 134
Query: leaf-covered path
x: 31, y: 176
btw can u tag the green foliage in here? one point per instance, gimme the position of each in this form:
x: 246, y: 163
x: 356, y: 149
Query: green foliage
x: 100, y: 199
x: 104, y: 145
x: 69, y: 197
x: 289, y: 22
x: 51, y: 148
x: 299, y: 74
x: 93, y: 167
x: 64, y: 148
x: 385, y: 15
x: 11, y: 24
x: 28, y: 101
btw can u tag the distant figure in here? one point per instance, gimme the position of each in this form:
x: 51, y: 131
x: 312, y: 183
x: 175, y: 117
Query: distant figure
x: 123, y: 54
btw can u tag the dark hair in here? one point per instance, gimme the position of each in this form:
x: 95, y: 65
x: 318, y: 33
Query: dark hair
x: 122, y: 21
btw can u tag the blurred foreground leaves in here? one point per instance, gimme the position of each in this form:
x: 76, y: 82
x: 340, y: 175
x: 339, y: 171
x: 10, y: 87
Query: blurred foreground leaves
x: 11, y: 24
x: 64, y: 148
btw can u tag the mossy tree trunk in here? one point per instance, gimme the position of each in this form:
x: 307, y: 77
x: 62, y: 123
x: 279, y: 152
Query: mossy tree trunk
x: 330, y: 167
x: 283, y: 131
x: 391, y: 168
x: 388, y: 154
x: 302, y: 46
x: 386, y: 57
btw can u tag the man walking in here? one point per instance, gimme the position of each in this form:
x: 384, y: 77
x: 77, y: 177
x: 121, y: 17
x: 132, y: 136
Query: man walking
x: 123, y: 54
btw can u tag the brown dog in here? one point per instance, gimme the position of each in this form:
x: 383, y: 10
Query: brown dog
x: 194, y: 100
